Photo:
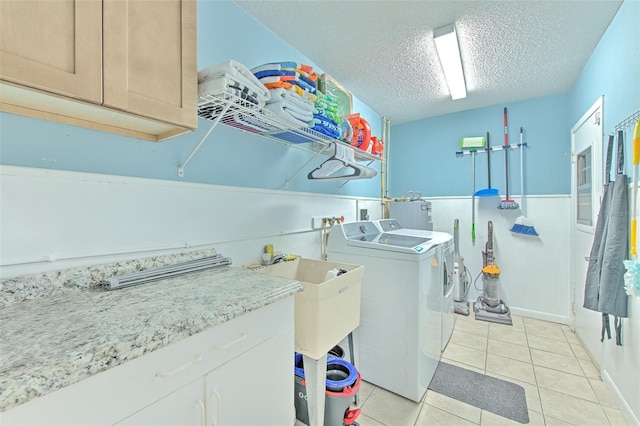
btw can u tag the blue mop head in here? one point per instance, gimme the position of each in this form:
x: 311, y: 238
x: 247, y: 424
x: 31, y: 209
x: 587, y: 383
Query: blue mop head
x: 523, y: 226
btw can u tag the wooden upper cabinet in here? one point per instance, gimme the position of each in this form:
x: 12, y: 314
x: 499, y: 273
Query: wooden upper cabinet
x: 54, y: 46
x: 121, y: 66
x: 150, y: 58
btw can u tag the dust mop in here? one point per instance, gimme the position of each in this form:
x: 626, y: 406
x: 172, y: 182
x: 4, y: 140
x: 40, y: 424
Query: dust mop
x: 507, y: 203
x: 523, y: 225
x: 632, y: 276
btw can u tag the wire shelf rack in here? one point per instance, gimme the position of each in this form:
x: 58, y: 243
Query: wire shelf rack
x: 628, y: 122
x: 234, y: 111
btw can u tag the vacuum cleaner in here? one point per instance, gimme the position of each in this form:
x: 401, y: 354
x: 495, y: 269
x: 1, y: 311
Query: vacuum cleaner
x: 489, y: 306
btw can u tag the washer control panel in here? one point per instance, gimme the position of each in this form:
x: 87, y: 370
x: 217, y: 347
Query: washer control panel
x: 364, y: 231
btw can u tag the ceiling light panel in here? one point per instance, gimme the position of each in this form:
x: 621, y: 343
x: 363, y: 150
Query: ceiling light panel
x: 446, y: 41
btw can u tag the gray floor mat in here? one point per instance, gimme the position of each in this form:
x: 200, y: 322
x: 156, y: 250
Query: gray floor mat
x: 488, y: 393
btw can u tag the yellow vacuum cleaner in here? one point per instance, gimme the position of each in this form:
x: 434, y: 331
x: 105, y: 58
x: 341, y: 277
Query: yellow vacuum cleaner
x: 489, y: 306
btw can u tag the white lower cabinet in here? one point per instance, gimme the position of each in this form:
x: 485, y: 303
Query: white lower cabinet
x: 250, y: 389
x: 183, y: 407
x: 236, y: 373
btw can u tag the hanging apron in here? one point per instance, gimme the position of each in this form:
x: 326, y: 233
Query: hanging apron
x: 604, y: 287
x: 592, y: 284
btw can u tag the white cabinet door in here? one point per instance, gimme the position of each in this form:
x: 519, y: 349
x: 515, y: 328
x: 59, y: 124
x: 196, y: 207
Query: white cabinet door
x: 183, y: 407
x: 255, y: 388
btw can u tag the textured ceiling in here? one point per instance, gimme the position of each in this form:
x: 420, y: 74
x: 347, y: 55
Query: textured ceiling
x: 383, y: 51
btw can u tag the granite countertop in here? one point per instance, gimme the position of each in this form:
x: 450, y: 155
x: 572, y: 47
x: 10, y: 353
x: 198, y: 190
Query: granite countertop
x: 53, y: 340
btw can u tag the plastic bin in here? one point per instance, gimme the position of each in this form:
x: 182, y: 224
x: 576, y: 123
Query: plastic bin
x: 326, y: 311
x: 343, y: 382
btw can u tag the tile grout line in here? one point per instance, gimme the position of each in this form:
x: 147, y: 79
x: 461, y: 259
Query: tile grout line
x: 535, y: 377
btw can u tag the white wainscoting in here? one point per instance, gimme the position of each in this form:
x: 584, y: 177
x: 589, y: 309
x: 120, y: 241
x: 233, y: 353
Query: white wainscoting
x: 535, y: 271
x: 55, y: 219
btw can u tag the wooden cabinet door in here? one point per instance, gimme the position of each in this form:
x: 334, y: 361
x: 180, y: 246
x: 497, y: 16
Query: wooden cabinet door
x: 54, y: 46
x: 150, y: 64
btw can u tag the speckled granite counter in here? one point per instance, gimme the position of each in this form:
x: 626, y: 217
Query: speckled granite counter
x: 54, y: 340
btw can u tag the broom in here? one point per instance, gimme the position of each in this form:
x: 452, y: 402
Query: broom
x: 522, y: 225
x: 506, y: 203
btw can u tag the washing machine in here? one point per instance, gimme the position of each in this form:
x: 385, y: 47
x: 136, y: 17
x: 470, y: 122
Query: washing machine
x: 445, y: 249
x: 400, y: 311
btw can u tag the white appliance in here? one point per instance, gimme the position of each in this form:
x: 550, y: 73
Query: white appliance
x: 401, y: 301
x: 448, y: 313
x: 446, y: 262
x: 413, y: 214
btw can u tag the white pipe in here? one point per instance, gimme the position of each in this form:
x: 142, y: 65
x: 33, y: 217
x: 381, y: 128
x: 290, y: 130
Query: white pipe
x: 524, y: 213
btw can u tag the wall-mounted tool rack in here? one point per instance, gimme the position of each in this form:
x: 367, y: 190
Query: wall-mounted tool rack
x: 492, y: 148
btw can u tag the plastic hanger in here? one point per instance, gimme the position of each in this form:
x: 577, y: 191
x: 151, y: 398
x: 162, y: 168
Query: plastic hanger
x: 343, y: 158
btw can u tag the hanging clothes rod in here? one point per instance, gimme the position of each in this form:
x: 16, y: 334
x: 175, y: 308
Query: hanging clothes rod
x: 627, y: 122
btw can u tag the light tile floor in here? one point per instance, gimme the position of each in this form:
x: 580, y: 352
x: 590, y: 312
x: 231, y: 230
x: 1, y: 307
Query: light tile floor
x: 562, y: 385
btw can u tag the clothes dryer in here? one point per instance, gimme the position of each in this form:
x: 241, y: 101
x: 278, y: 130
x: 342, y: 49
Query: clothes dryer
x: 445, y: 249
x: 400, y: 312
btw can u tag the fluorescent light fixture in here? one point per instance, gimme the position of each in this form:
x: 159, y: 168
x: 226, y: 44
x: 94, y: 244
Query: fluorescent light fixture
x: 449, y: 53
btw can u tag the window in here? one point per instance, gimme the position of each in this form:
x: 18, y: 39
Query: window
x: 584, y: 184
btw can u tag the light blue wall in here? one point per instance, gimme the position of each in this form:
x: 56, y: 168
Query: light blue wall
x: 228, y: 156
x: 613, y: 71
x: 422, y: 153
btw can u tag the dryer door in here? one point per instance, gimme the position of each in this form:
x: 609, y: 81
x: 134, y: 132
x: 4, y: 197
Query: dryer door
x: 448, y: 315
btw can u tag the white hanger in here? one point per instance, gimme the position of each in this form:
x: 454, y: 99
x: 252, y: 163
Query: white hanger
x: 343, y: 158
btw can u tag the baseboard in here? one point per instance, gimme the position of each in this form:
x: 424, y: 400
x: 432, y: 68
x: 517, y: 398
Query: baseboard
x: 625, y: 409
x: 561, y: 319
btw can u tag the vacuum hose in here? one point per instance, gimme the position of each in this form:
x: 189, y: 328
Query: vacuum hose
x: 487, y: 255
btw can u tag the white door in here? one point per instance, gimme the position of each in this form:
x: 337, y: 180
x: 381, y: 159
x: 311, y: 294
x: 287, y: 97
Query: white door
x: 586, y: 191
